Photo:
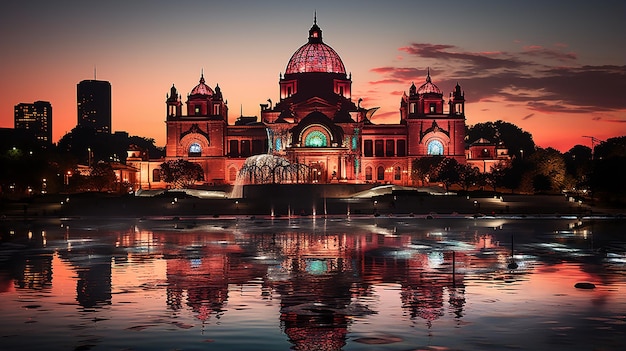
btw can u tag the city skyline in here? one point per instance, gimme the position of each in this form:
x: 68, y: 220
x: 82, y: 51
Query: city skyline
x: 555, y: 70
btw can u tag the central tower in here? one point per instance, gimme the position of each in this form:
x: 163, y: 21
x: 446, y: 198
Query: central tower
x: 314, y: 121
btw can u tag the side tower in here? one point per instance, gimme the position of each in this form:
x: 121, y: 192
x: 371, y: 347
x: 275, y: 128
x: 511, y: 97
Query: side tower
x: 432, y: 132
x: 199, y: 136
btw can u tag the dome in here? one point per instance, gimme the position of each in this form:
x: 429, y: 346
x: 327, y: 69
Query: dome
x: 429, y: 87
x: 315, y: 56
x: 201, y: 88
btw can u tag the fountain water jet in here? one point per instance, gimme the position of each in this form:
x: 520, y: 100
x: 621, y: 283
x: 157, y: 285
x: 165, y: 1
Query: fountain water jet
x: 269, y: 169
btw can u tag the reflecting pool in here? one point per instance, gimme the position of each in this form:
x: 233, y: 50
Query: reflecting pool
x: 313, y: 284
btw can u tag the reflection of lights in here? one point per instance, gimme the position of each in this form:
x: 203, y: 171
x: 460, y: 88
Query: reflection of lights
x: 435, y: 259
x: 195, y: 262
x: 316, y: 266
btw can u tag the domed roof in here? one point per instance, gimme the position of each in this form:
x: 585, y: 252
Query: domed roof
x: 201, y: 88
x: 428, y: 87
x: 315, y: 56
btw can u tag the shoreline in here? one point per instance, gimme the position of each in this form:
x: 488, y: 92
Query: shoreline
x: 102, y: 206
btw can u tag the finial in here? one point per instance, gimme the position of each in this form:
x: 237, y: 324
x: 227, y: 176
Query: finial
x: 428, y: 75
x: 315, y: 17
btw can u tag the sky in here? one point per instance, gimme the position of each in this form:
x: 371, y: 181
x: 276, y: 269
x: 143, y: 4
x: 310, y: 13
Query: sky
x: 556, y: 69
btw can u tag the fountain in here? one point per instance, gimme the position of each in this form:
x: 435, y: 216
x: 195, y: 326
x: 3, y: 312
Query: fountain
x: 269, y: 169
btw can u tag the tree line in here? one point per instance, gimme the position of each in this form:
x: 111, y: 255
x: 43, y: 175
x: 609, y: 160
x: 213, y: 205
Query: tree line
x: 30, y: 167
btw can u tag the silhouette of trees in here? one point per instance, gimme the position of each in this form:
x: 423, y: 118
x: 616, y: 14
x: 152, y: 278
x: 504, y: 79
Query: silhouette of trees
x: 424, y: 168
x: 519, y: 142
x: 545, y: 172
x: 102, y: 176
x: 447, y: 172
x: 86, y: 146
x: 578, y: 166
x: 181, y: 173
x: 469, y: 176
x: 609, y: 170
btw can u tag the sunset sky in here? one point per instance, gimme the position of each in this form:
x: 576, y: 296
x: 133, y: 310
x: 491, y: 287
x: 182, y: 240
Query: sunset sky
x: 556, y: 69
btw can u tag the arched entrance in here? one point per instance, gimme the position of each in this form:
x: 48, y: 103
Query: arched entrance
x: 318, y: 172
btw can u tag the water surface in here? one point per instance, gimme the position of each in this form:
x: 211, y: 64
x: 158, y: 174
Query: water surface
x: 313, y: 284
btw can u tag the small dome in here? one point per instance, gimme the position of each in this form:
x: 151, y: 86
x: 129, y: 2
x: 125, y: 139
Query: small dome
x: 429, y: 87
x: 315, y: 56
x: 201, y: 88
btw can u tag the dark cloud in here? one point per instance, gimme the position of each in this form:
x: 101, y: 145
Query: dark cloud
x: 540, y: 51
x: 481, y: 61
x: 499, y: 75
x: 528, y: 116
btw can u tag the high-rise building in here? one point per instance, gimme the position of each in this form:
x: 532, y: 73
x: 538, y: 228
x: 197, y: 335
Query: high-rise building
x: 36, y: 118
x: 94, y: 105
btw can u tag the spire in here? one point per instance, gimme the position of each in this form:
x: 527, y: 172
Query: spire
x: 428, y: 76
x: 315, y: 33
x: 202, y: 76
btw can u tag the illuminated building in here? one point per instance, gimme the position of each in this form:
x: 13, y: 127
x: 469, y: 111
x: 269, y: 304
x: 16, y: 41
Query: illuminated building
x: 36, y: 118
x: 93, y: 98
x: 317, y: 123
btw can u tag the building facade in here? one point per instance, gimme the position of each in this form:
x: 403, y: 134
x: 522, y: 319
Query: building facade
x: 36, y: 118
x: 315, y: 123
x: 93, y: 98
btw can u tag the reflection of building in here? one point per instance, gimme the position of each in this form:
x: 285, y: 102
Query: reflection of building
x: 36, y: 118
x: 316, y: 122
x: 93, y: 98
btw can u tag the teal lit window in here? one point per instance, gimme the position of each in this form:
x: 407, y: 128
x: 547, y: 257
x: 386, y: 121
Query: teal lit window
x: 435, y: 148
x: 279, y: 144
x: 315, y: 139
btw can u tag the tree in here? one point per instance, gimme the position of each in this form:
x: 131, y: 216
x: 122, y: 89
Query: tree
x: 547, y: 171
x: 88, y: 146
x: 578, y: 166
x: 519, y: 142
x: 102, y: 176
x: 181, y: 173
x: 424, y: 168
x: 448, y: 172
x: 468, y: 176
x: 609, y: 168
x: 497, y: 175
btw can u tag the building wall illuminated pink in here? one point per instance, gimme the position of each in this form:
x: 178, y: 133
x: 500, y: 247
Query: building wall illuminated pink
x: 315, y: 123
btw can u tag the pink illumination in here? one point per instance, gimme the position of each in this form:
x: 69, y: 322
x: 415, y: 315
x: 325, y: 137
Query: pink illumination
x: 315, y: 57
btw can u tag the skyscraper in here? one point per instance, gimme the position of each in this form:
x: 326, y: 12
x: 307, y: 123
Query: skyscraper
x: 36, y: 118
x: 94, y: 105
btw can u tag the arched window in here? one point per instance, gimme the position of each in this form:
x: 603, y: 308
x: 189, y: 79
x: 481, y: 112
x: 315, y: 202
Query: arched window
x: 316, y: 139
x: 435, y: 148
x: 195, y: 150
x: 232, y: 174
x: 156, y: 175
x: 279, y: 144
x: 368, y: 173
x: 397, y: 173
x: 380, y: 173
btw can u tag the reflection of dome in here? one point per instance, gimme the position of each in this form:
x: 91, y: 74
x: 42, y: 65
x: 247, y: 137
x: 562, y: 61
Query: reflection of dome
x: 315, y: 56
x: 428, y: 87
x: 201, y: 89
